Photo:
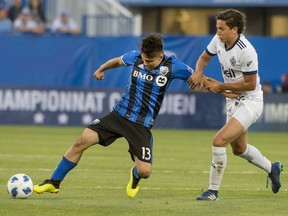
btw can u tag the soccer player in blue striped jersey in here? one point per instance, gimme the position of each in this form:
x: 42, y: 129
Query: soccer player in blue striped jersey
x: 147, y: 85
x: 151, y: 73
x: 239, y: 64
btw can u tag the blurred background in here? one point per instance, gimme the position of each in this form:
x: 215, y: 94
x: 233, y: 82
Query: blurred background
x: 49, y: 50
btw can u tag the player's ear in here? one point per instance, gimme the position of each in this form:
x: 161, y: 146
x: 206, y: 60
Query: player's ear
x: 235, y: 29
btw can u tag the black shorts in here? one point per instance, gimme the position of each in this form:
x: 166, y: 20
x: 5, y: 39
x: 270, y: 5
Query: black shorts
x: 114, y: 126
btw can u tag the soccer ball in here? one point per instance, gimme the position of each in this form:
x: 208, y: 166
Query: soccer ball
x: 20, y: 186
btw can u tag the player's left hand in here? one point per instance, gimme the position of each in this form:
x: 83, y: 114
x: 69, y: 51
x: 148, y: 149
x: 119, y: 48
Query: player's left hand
x: 212, y: 85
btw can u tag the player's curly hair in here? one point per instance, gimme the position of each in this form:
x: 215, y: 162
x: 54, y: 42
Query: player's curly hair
x: 152, y: 43
x: 233, y: 18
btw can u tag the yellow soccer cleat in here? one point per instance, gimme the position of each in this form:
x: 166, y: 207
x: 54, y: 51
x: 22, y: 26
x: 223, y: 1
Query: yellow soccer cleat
x: 133, y: 185
x: 49, y: 186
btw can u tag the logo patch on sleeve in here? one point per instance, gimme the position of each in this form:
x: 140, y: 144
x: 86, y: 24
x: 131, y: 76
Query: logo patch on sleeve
x: 95, y: 121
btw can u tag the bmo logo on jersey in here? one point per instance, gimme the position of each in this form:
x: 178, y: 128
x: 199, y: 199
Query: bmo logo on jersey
x: 160, y: 80
x: 142, y: 76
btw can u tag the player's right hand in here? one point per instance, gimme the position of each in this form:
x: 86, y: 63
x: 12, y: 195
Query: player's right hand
x: 99, y: 75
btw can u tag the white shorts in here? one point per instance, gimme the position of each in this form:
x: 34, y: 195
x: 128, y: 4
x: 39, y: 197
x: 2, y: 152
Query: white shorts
x: 246, y: 110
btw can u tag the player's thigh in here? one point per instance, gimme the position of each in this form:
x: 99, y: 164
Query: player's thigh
x: 108, y: 128
x: 140, y: 141
x: 88, y: 138
x: 248, y: 111
x: 229, y: 132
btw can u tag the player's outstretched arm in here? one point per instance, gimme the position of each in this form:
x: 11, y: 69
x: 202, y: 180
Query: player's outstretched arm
x: 208, y: 82
x: 112, y: 63
x: 195, y: 80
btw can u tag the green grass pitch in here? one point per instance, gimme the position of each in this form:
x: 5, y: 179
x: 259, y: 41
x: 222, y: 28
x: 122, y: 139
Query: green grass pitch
x: 180, y: 170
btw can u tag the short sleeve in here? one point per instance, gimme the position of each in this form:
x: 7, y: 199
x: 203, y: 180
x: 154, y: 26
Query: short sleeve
x: 249, y: 62
x: 130, y: 58
x: 181, y: 70
x: 212, y: 46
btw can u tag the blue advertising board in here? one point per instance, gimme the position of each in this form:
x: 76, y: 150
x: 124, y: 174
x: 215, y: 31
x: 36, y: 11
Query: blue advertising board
x: 181, y: 110
x: 43, y: 106
x: 275, y: 114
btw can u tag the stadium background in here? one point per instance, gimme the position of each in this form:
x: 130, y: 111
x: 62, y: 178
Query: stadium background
x: 45, y: 80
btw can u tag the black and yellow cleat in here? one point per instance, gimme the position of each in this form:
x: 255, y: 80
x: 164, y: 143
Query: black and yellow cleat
x: 133, y: 185
x: 48, y: 185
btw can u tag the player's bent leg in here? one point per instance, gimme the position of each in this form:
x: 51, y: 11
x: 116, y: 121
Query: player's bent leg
x: 141, y: 170
x: 86, y: 140
x: 68, y: 162
x: 224, y: 136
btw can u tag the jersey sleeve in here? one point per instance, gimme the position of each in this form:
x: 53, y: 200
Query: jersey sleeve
x: 181, y: 70
x: 249, y: 62
x: 212, y: 46
x: 129, y: 58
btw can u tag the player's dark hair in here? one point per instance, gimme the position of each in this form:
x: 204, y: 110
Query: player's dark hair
x: 233, y: 18
x: 151, y: 44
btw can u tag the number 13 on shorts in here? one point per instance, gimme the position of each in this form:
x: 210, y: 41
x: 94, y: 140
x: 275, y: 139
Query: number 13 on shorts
x: 146, y: 153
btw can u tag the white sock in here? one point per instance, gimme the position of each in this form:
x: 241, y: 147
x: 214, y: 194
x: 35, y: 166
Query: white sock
x: 219, y: 161
x: 254, y: 156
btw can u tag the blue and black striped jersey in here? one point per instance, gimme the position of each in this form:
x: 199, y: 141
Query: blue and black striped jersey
x: 145, y: 92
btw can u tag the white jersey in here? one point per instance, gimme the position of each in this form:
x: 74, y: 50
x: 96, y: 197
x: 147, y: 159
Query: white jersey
x: 58, y: 24
x: 240, y: 59
x: 30, y: 24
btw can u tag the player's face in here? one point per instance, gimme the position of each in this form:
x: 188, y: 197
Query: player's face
x: 151, y: 62
x: 225, y: 34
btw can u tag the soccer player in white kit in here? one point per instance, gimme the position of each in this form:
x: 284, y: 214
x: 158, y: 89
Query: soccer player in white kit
x: 239, y: 66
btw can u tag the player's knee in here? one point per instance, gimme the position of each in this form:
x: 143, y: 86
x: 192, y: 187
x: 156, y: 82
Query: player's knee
x: 238, y: 147
x: 144, y: 173
x: 80, y: 144
x: 237, y: 150
x: 220, y: 142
